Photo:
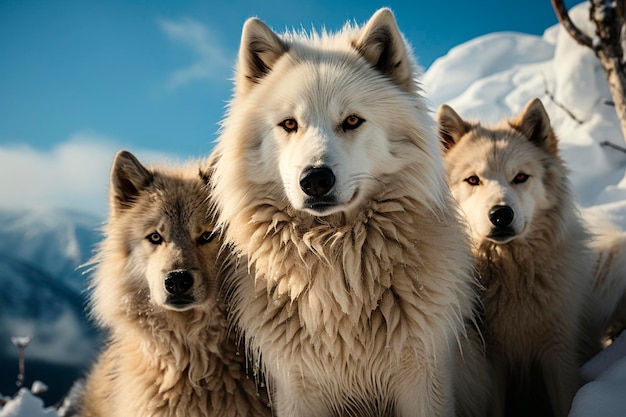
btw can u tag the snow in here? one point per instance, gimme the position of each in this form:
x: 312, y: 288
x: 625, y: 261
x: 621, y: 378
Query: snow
x: 494, y: 76
x: 25, y: 404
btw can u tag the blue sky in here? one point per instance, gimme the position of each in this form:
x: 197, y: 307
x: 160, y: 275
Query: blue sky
x: 154, y: 75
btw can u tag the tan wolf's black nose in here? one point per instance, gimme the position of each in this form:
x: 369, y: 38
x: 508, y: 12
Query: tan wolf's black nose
x: 316, y: 182
x: 178, y: 282
x: 501, y: 216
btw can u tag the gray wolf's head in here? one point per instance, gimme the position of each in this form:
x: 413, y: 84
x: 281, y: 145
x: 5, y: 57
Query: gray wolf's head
x: 499, y: 173
x: 162, y: 233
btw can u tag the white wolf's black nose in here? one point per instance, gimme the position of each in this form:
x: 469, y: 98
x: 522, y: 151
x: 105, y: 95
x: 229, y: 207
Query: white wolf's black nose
x: 316, y: 182
x: 178, y: 282
x: 501, y: 216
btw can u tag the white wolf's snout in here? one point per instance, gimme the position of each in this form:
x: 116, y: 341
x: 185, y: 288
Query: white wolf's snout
x: 318, y: 185
x: 501, y: 218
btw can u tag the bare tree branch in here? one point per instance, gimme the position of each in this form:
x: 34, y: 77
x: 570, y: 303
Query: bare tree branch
x: 612, y: 145
x: 560, y: 105
x: 608, y: 43
x: 570, y: 27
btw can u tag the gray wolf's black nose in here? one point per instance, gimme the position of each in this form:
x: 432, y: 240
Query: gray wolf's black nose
x: 501, y: 216
x: 178, y: 282
x: 316, y: 182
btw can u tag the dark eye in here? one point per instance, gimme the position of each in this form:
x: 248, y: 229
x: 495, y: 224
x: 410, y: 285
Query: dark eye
x: 521, y: 178
x: 206, y: 237
x: 351, y: 122
x: 155, y: 238
x: 473, y: 180
x: 289, y: 125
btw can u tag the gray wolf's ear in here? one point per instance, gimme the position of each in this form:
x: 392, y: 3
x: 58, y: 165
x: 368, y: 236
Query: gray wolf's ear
x: 128, y: 178
x: 260, y: 48
x: 534, y: 123
x: 382, y: 45
x: 451, y: 127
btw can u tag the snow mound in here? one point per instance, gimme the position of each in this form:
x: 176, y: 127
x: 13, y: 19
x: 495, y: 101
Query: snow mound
x: 25, y: 404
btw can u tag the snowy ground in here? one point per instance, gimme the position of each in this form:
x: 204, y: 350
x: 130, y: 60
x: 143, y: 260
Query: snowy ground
x: 495, y: 76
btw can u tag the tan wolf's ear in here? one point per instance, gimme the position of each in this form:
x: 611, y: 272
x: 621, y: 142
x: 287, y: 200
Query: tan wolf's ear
x: 534, y: 123
x: 451, y: 127
x: 128, y: 178
x: 260, y: 48
x: 382, y: 45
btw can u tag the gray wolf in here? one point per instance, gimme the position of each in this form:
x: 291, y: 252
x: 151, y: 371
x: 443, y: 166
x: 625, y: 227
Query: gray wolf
x: 533, y: 259
x: 329, y: 184
x: 156, y: 290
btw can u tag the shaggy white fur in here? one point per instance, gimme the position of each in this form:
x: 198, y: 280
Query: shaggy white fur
x: 357, y: 297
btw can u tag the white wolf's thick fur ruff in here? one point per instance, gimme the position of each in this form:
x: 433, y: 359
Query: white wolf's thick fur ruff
x: 163, y: 361
x: 357, y: 312
x: 538, y: 281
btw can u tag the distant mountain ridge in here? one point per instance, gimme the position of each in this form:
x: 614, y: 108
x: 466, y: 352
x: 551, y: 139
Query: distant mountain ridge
x: 44, y: 294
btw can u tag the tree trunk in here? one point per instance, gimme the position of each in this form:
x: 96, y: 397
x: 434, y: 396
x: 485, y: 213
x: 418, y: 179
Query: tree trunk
x: 609, y: 44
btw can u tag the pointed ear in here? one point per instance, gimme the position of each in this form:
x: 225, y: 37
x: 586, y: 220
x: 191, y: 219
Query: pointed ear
x: 382, y: 45
x: 451, y: 127
x: 260, y: 48
x: 128, y: 178
x: 534, y: 123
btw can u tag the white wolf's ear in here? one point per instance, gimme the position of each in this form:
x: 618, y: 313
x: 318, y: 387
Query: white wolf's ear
x: 128, y: 178
x: 451, y: 127
x: 534, y: 123
x: 382, y: 45
x: 260, y: 48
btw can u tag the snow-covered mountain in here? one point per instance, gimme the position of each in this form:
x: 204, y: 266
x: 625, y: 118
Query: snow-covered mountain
x: 44, y: 293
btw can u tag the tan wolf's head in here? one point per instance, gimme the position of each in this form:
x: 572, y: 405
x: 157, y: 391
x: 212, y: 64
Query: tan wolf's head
x: 501, y: 175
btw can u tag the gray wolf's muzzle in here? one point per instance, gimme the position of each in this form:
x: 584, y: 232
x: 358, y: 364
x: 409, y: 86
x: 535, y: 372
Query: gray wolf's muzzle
x: 178, y: 284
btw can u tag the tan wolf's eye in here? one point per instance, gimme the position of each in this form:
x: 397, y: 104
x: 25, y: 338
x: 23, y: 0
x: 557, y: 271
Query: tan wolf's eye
x: 155, y: 238
x: 206, y: 237
x: 521, y: 178
x: 473, y: 180
x: 351, y: 122
x: 289, y: 125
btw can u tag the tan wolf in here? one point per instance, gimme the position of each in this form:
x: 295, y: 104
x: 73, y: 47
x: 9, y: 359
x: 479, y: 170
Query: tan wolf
x: 329, y: 180
x: 533, y: 259
x: 155, y: 290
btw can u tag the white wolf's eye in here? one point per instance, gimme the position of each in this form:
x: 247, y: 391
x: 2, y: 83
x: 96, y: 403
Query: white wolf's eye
x: 206, y: 237
x: 521, y: 178
x: 472, y: 180
x: 289, y: 125
x: 155, y: 238
x: 351, y: 122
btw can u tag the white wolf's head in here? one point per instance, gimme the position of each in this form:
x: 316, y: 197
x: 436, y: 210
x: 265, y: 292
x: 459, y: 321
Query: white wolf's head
x: 499, y: 174
x: 160, y: 237
x: 318, y: 120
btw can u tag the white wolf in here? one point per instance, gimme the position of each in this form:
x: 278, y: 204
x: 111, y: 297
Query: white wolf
x: 155, y: 289
x: 329, y: 180
x: 533, y: 258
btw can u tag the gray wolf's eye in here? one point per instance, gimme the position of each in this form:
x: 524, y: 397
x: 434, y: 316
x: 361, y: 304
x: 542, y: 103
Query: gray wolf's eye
x: 289, y: 125
x: 351, y: 122
x: 206, y: 237
x: 155, y: 238
x: 521, y: 178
